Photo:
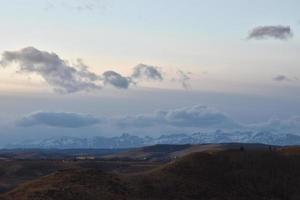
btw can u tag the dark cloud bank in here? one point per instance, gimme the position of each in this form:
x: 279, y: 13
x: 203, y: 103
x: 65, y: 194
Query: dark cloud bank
x: 276, y: 32
x: 65, y: 77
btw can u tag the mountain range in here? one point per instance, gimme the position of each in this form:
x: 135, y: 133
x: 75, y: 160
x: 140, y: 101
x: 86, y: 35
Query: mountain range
x: 132, y: 141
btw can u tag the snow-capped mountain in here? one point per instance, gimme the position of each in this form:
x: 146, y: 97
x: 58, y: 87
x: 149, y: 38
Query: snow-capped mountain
x: 131, y: 141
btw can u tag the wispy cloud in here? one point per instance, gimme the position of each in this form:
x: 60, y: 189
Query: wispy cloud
x: 276, y: 32
x: 184, y: 78
x: 77, y: 5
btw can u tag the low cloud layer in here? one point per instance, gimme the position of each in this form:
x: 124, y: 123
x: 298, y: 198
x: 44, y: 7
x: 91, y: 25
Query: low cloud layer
x: 181, y: 120
x: 275, y: 32
x: 199, y: 117
x: 58, y: 119
x: 64, y: 77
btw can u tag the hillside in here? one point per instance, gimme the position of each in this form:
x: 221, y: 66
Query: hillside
x: 72, y: 185
x: 223, y: 175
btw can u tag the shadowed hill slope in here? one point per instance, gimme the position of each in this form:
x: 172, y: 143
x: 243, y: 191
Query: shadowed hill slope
x: 225, y: 175
x: 72, y: 185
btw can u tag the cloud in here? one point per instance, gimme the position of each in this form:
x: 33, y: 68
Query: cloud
x: 281, y: 78
x: 58, y: 119
x: 78, y: 5
x: 65, y: 77
x: 180, y: 120
x: 276, y: 32
x: 184, y: 79
x: 188, y: 118
x: 115, y: 79
x: 147, y: 72
x: 57, y: 72
x: 194, y: 117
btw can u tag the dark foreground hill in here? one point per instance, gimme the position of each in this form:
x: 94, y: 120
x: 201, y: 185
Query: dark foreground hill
x: 228, y: 175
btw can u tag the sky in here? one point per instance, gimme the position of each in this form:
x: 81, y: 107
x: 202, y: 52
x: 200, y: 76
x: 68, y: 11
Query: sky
x: 115, y: 66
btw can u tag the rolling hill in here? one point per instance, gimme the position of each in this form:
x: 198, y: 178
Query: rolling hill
x: 221, y: 175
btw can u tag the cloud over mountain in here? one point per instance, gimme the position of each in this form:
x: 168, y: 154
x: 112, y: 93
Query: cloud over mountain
x: 179, y: 120
x: 196, y: 116
x: 277, y: 32
x: 289, y: 125
x: 199, y: 117
x: 58, y: 119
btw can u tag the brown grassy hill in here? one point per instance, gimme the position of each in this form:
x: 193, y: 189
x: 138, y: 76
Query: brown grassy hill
x: 72, y: 185
x: 228, y: 175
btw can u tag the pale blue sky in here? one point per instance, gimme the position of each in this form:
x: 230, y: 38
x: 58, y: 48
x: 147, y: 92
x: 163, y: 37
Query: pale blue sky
x: 205, y: 37
x: 198, y: 36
